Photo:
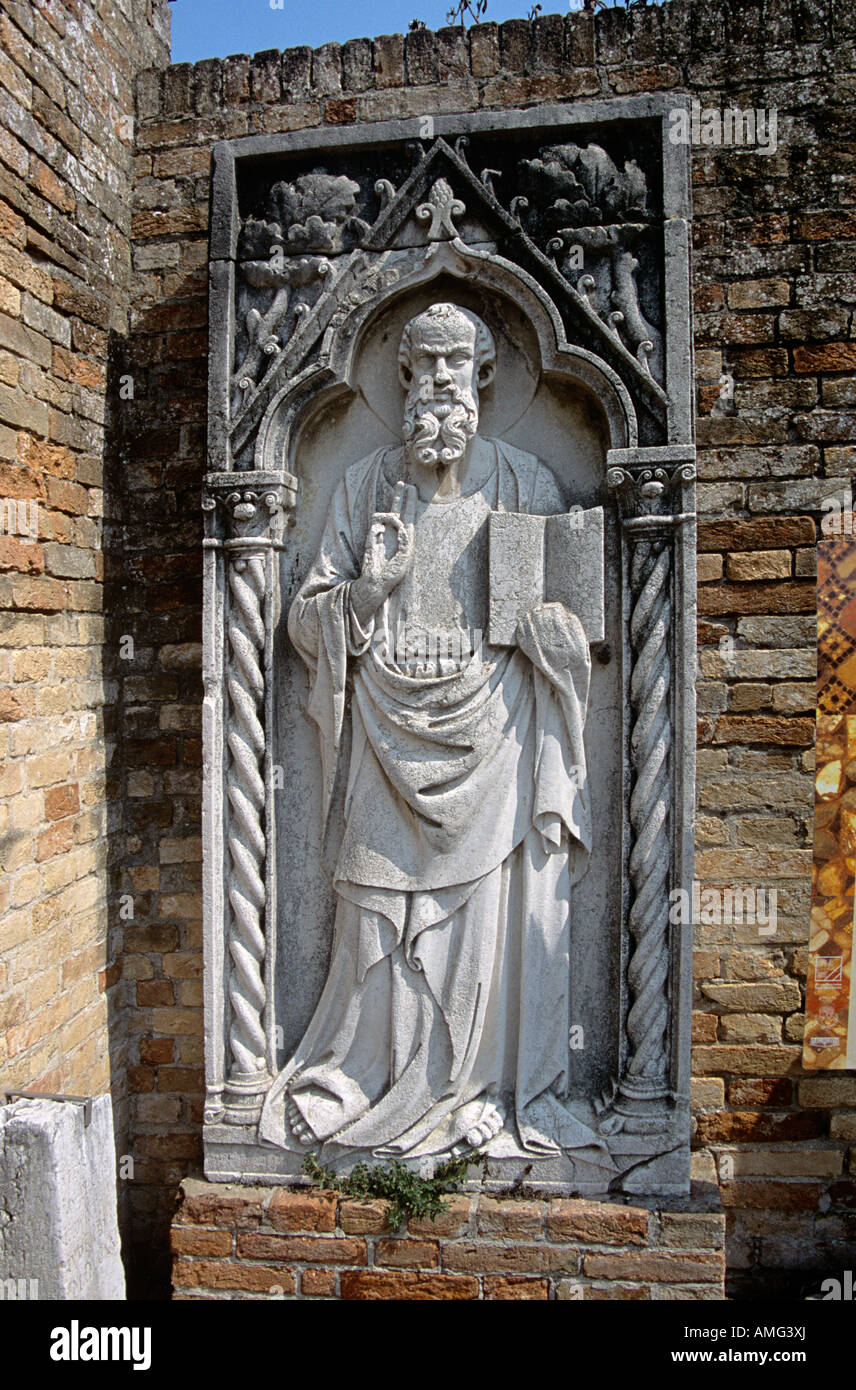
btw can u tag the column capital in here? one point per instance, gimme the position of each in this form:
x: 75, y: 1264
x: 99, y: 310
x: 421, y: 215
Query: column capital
x: 653, y: 485
x: 250, y: 504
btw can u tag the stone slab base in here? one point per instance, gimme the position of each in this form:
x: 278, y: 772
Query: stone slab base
x: 657, y: 1163
x: 233, y: 1242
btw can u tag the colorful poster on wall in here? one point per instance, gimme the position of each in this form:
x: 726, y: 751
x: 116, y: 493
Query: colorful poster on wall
x: 830, y: 1036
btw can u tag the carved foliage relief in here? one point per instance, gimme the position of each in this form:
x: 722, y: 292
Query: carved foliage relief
x: 584, y: 219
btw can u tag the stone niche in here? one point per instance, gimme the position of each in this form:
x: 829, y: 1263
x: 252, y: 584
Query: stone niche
x: 524, y: 999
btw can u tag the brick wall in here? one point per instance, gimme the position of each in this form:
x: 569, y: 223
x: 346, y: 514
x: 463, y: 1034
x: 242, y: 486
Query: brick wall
x: 775, y: 290
x: 234, y: 1242
x: 67, y: 74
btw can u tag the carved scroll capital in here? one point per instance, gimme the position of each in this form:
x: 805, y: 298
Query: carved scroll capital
x: 251, y: 506
x: 653, y: 494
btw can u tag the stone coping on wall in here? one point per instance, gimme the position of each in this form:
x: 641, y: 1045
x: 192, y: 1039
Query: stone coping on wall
x: 564, y: 57
x: 235, y: 1242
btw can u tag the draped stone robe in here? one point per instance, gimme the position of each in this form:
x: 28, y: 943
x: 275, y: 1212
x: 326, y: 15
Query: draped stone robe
x: 455, y: 807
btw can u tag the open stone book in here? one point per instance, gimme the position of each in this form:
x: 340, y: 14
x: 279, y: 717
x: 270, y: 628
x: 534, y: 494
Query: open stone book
x: 545, y: 559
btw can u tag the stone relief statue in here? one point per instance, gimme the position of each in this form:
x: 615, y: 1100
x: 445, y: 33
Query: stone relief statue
x: 455, y: 796
x: 476, y: 955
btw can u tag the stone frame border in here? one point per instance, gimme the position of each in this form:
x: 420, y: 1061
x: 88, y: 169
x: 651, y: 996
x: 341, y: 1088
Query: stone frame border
x: 655, y: 490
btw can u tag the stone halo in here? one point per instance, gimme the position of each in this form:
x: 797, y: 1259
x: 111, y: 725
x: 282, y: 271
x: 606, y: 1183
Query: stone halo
x: 518, y: 364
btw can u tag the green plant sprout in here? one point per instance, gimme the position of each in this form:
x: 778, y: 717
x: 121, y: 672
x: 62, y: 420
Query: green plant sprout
x: 407, y: 1193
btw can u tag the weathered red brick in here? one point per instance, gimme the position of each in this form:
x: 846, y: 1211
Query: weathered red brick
x: 170, y: 1146
x: 23, y: 556
x: 767, y: 1091
x: 155, y: 993
x: 176, y: 222
x: 405, y: 1285
x: 190, y: 1240
x: 843, y: 1194
x: 692, y: 1230
x: 57, y: 840
x: 596, y: 1223
x: 825, y: 226
x: 302, y: 1211
x: 732, y: 728
x: 746, y: 1060
x: 497, y: 1288
x: 752, y: 565
x: 223, y: 1274
x: 747, y: 1126
x: 318, y: 1283
x: 141, y: 1079
x: 825, y: 357
x: 407, y: 1254
x: 510, y: 1218
x: 187, y: 1080
x: 784, y: 596
x: 704, y: 1027
x: 73, y: 299
x: 340, y: 111
x: 779, y: 1196
x: 616, y: 1293
x: 486, y: 1257
x: 156, y: 1050
x: 15, y: 705
x: 453, y: 1220
x: 357, y: 1218
x: 218, y: 1204
x: 324, y: 1250
x: 62, y: 801
x: 702, y: 1267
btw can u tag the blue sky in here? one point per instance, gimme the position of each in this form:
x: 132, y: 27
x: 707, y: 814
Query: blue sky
x: 216, y: 28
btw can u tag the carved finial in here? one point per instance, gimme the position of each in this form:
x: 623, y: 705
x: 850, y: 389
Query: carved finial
x: 385, y: 192
x: 585, y: 285
x: 642, y: 353
x: 441, y: 207
x: 487, y: 177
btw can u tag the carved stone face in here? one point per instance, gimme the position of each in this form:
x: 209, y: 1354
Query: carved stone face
x: 443, y: 353
x: 439, y: 367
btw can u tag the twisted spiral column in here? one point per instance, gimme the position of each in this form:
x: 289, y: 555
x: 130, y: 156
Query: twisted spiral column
x: 657, y: 506
x: 246, y: 835
x: 245, y: 512
x: 646, y: 1076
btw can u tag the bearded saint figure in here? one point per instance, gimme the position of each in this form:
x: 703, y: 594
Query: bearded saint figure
x: 455, y: 793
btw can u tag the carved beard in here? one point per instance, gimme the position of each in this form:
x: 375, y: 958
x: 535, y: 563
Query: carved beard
x: 436, y: 440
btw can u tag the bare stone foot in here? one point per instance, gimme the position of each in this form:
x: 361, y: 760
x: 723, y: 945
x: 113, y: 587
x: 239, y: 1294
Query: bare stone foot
x: 487, y: 1127
x: 298, y: 1126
